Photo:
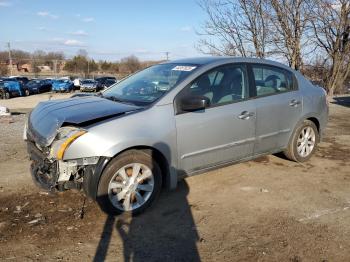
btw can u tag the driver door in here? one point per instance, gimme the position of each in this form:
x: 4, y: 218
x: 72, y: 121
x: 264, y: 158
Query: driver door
x: 223, y: 132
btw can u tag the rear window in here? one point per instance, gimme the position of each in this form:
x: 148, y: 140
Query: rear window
x: 271, y: 80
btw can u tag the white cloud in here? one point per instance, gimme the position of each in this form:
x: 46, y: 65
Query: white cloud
x: 88, y: 19
x: 186, y: 29
x: 42, y: 28
x: 5, y: 4
x: 73, y: 42
x: 79, y: 33
x: 47, y: 14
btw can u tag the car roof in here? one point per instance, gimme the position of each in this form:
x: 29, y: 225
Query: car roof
x: 207, y: 60
x: 105, y: 77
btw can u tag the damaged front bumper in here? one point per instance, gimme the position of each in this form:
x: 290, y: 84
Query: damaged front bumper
x: 61, y: 175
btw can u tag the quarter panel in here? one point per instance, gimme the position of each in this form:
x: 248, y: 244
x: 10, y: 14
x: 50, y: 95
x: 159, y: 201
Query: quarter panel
x: 315, y: 102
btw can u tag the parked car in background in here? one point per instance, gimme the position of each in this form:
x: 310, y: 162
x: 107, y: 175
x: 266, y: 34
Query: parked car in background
x: 88, y: 85
x: 62, y: 85
x: 108, y: 83
x: 24, y: 80
x: 49, y: 79
x: 10, y: 87
x: 36, y: 86
x: 122, y: 145
x: 101, y: 81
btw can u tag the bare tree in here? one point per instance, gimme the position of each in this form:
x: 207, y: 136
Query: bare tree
x: 234, y: 28
x: 82, y: 52
x: 130, y: 64
x: 3, y: 69
x: 331, y: 24
x: 290, y: 19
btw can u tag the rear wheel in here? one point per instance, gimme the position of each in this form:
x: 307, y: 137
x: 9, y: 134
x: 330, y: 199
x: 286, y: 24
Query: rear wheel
x: 26, y: 92
x: 5, y: 95
x: 303, y: 142
x: 129, y: 184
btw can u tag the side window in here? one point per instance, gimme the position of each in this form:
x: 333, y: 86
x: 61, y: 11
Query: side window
x: 225, y: 84
x: 271, y: 80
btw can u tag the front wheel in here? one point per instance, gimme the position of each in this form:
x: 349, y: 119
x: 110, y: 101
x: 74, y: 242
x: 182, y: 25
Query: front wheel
x: 26, y: 92
x: 5, y: 95
x: 129, y: 184
x: 303, y: 142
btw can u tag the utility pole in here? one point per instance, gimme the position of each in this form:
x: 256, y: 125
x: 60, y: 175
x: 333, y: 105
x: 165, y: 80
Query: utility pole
x: 88, y: 68
x: 10, y: 57
x: 167, y: 56
x: 55, y: 67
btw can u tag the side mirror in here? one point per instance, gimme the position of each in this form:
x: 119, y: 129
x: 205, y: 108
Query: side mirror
x: 194, y: 103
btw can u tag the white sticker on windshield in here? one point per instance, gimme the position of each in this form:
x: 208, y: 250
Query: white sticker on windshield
x: 183, y: 68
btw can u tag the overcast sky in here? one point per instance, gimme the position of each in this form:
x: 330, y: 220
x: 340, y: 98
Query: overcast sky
x: 106, y: 29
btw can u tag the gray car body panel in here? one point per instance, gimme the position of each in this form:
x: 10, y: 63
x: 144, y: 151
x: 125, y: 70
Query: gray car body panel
x: 188, y: 141
x: 49, y: 116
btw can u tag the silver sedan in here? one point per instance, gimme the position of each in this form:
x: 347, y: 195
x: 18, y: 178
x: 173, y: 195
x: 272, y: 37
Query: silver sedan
x: 169, y: 121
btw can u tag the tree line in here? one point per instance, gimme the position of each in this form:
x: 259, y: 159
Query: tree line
x: 81, y: 64
x: 303, y: 32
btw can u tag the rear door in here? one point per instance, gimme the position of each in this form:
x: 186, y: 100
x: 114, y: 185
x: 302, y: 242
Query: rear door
x: 278, y: 107
x: 223, y: 132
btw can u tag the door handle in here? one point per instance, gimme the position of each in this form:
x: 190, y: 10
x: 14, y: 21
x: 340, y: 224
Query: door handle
x: 245, y: 115
x: 294, y: 102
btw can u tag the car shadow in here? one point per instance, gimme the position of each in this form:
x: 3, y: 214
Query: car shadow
x: 164, y: 232
x: 342, y: 100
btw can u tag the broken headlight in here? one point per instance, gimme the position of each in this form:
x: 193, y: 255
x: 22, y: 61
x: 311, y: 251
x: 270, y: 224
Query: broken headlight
x: 65, y: 137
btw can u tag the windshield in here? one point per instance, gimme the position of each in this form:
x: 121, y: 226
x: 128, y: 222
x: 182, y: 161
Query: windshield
x: 33, y: 82
x: 149, y: 84
x: 61, y: 81
x: 88, y: 81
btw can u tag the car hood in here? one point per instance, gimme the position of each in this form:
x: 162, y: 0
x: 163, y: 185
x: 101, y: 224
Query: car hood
x: 58, y: 85
x: 47, y: 117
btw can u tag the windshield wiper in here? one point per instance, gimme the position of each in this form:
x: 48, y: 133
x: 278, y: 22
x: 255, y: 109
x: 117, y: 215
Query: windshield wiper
x: 117, y: 99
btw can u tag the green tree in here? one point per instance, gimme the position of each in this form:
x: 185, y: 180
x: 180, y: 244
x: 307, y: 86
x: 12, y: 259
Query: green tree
x: 81, y: 65
x: 105, y: 66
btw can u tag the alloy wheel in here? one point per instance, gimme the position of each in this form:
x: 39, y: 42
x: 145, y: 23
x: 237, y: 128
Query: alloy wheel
x: 306, y: 141
x: 131, y: 186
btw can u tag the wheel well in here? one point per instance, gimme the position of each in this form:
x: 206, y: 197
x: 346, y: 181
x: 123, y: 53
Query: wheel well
x: 315, y: 121
x: 160, y: 159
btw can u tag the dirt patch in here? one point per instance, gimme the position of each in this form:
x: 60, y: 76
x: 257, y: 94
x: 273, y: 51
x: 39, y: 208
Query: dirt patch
x: 269, y: 209
x: 43, y: 216
x: 262, y: 159
x: 334, y: 151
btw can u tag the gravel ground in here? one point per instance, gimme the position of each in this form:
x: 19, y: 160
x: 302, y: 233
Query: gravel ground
x: 29, y: 102
x: 269, y: 209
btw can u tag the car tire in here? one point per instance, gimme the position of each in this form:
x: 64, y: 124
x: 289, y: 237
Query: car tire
x: 6, y: 95
x: 110, y: 175
x: 302, y: 144
x: 26, y: 92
